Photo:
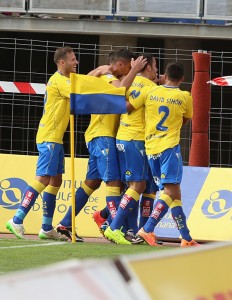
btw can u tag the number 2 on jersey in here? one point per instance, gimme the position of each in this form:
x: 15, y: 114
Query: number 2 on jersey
x: 165, y: 110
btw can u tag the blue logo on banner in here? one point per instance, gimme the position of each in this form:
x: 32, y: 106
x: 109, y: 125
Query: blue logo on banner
x: 218, y: 204
x: 11, y: 191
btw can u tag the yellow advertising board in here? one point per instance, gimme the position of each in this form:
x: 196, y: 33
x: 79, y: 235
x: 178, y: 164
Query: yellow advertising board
x: 211, y: 214
x: 202, y: 273
x: 18, y: 170
x: 206, y: 197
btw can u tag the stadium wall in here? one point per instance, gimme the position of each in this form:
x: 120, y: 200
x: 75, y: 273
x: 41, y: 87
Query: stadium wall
x: 206, y: 194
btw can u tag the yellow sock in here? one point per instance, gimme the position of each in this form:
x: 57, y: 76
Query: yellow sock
x: 87, y: 189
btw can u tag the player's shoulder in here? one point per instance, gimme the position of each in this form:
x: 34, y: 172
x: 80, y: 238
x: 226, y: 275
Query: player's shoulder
x: 186, y: 94
x: 108, y: 77
x: 59, y: 79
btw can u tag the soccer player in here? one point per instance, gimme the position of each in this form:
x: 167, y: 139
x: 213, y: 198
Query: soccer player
x: 100, y: 139
x: 49, y: 139
x: 167, y: 108
x: 132, y: 159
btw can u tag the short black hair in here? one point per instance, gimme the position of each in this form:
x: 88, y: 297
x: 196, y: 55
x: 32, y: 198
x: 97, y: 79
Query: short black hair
x: 61, y: 53
x: 123, y: 54
x: 109, y: 57
x: 149, y: 62
x: 175, y: 71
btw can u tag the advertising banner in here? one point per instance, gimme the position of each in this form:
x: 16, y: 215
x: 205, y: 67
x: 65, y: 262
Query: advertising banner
x: 206, y: 198
x: 17, y: 171
x: 207, y: 203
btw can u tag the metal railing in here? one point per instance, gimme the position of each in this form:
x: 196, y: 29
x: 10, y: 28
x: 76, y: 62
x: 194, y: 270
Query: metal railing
x: 168, y: 9
x: 218, y: 10
x: 157, y: 8
x: 80, y: 7
x: 13, y: 6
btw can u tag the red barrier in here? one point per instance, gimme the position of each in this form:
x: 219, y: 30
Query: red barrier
x: 199, y: 151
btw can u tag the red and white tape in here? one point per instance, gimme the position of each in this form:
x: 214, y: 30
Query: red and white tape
x: 222, y: 81
x: 22, y: 88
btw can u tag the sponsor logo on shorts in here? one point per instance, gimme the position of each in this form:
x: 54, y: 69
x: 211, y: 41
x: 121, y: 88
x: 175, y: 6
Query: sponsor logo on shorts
x: 120, y: 147
x: 105, y: 152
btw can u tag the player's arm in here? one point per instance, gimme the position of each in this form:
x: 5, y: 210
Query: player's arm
x: 135, y: 98
x: 129, y: 107
x: 63, y: 87
x: 136, y: 66
x: 101, y: 70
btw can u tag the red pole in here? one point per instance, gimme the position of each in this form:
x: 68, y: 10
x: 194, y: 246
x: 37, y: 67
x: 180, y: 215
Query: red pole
x: 199, y: 151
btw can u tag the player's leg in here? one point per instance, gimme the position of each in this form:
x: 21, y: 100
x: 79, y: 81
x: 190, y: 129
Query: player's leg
x: 108, y: 167
x: 174, y: 171
x: 82, y: 195
x: 147, y: 199
x: 32, y: 191
x: 100, y: 216
x: 135, y: 176
x: 162, y: 204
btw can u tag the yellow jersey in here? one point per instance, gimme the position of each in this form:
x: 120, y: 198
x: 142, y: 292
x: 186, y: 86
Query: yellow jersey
x: 103, y: 125
x: 165, y: 108
x: 55, y: 119
x: 132, y: 125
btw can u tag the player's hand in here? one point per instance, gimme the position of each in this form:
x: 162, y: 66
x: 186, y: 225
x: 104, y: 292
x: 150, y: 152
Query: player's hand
x: 160, y: 80
x: 138, y: 63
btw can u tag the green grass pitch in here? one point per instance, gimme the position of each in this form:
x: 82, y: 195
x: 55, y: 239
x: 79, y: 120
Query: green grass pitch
x: 17, y: 255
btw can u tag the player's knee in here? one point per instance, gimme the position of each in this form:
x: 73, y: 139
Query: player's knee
x: 138, y: 186
x: 93, y: 184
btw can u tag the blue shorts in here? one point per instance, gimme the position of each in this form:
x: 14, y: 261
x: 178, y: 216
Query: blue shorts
x: 167, y: 167
x: 103, y: 160
x: 51, y: 159
x: 132, y: 160
x: 151, y: 186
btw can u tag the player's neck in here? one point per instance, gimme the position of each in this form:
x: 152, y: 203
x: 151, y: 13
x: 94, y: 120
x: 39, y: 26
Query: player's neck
x: 169, y: 83
x: 63, y: 73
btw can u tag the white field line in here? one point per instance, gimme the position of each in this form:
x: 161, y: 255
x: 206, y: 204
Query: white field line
x: 37, y: 245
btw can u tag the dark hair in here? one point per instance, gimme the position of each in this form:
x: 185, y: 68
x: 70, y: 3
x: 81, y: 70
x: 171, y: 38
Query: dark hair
x: 175, y: 71
x: 149, y: 62
x: 109, y: 57
x: 61, y: 53
x: 122, y: 54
